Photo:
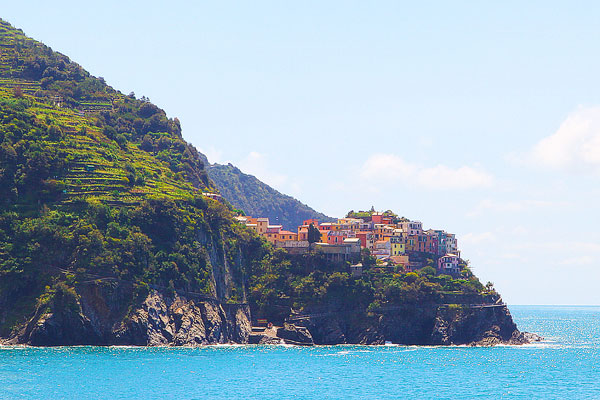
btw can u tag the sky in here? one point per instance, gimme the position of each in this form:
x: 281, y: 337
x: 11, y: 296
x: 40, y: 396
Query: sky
x: 480, y: 118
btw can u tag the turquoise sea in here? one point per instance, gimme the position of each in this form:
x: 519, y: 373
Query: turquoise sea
x: 565, y: 366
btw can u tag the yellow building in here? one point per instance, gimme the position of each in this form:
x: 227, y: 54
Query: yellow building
x: 398, y: 245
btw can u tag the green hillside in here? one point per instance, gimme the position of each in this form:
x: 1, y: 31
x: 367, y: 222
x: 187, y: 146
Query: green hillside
x: 95, y: 184
x: 258, y: 199
x: 102, y: 211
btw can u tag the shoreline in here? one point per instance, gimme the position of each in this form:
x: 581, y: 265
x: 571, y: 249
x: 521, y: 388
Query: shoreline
x: 215, y: 345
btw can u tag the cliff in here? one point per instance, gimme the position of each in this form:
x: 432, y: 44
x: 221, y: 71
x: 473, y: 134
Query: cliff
x: 95, y: 319
x: 106, y: 237
x: 420, y: 325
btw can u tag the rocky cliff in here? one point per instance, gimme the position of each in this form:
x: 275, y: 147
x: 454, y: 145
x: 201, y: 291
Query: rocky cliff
x: 425, y: 324
x: 97, y: 318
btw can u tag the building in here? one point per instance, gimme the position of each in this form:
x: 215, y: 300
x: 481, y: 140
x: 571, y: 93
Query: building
x: 293, y: 246
x: 349, y: 250
x: 335, y: 237
x: 411, y: 227
x: 382, y: 249
x: 287, y: 235
x: 448, y: 264
x: 431, y: 243
x: 398, y: 245
x: 367, y: 239
x: 451, y: 243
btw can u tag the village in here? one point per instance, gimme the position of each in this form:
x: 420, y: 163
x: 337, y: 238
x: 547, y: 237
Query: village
x: 391, y: 240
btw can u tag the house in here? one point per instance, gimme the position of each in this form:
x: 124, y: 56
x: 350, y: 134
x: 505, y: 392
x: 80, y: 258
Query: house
x: 416, y: 243
x: 398, y: 245
x: 411, y: 227
x: 382, y: 230
x: 431, y: 243
x: 382, y: 249
x: 348, y: 250
x: 272, y: 232
x: 308, y: 222
x: 400, y: 260
x: 287, y: 235
x: 367, y: 239
x: 451, y: 244
x: 448, y: 264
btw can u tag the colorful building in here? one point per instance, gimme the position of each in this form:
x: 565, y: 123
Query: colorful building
x: 398, y: 245
x: 448, y: 264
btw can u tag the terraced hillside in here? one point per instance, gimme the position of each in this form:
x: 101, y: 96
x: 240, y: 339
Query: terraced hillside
x: 99, y: 188
x: 112, y: 148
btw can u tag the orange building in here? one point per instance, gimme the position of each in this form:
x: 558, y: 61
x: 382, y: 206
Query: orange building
x: 287, y: 235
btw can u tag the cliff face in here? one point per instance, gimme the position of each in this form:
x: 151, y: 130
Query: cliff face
x: 419, y: 325
x: 97, y: 318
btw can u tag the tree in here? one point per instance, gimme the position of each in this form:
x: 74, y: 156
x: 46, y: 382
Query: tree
x: 18, y: 92
x: 314, y: 235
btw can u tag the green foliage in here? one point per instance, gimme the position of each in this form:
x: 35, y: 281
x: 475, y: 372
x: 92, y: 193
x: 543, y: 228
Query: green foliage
x: 96, y: 185
x: 314, y: 235
x: 260, y: 200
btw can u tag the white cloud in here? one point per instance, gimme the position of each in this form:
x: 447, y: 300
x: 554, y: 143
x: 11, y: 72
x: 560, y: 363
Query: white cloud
x: 386, y: 167
x: 575, y: 146
x: 391, y: 168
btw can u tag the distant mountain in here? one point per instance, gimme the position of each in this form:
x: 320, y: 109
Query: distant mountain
x: 258, y: 199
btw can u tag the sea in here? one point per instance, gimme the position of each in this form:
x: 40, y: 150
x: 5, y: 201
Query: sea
x: 566, y: 365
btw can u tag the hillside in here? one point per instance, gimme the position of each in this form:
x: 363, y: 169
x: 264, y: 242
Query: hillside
x: 256, y: 198
x: 106, y: 237
x: 98, y: 191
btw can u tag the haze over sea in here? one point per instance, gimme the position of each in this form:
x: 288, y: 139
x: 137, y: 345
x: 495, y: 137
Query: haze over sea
x: 566, y: 365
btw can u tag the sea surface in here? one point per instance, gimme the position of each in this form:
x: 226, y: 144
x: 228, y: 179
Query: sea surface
x: 565, y: 366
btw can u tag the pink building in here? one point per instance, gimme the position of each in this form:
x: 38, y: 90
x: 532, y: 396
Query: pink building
x: 448, y: 264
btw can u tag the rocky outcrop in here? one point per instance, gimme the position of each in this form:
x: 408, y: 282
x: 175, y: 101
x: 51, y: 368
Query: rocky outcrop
x: 288, y: 334
x: 96, y: 319
x: 106, y: 314
x: 183, y: 322
x: 426, y: 324
x: 292, y: 334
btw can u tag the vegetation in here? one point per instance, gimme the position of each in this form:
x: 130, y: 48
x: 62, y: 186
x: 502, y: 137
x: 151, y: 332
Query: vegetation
x: 97, y: 186
x: 369, y: 213
x: 257, y: 199
x: 280, y: 283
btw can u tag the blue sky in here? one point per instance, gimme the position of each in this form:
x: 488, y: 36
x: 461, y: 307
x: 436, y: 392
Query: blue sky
x: 479, y: 118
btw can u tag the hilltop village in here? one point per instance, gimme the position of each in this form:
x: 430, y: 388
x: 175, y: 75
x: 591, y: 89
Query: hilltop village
x: 393, y: 241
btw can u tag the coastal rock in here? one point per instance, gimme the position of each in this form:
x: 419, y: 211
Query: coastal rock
x: 96, y: 317
x: 425, y: 324
x: 183, y: 322
x: 293, y: 334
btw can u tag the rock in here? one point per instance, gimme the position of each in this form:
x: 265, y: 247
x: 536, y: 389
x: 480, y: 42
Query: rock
x: 293, y: 334
x: 98, y: 318
x: 261, y: 338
